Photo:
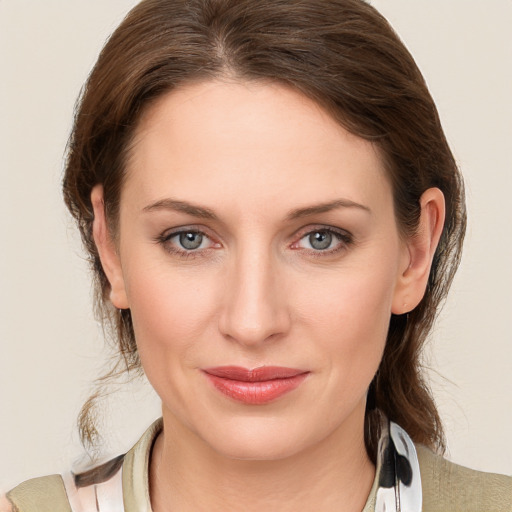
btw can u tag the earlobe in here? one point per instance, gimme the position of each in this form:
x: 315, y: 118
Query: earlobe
x: 107, y: 251
x: 419, y: 253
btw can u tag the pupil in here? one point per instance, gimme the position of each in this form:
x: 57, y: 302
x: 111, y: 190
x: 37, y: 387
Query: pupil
x: 320, y: 240
x: 191, y: 240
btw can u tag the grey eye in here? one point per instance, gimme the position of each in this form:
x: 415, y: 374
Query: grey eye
x: 320, y: 240
x: 191, y: 240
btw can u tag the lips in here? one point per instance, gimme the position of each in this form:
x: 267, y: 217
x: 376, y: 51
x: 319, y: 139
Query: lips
x: 255, y: 387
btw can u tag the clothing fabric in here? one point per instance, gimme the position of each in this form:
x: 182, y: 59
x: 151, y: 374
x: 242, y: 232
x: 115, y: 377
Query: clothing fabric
x: 409, y: 478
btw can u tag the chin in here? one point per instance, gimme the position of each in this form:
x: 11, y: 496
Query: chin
x: 259, y: 440
x: 260, y: 451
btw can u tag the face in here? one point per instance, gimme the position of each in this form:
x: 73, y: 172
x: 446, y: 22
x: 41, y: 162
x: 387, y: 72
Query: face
x: 256, y: 232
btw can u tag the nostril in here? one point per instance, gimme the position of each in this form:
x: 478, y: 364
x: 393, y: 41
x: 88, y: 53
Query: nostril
x: 254, y: 326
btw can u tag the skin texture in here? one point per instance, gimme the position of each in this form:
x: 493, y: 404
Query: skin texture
x: 5, y: 506
x: 257, y: 158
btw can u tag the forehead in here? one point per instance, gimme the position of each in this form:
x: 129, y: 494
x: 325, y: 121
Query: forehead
x: 262, y: 140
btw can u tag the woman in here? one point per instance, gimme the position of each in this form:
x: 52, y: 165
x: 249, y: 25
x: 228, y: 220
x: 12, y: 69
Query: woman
x: 273, y: 216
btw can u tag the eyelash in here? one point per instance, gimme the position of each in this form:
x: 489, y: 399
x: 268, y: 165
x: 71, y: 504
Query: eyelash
x: 345, y: 240
x: 164, y: 240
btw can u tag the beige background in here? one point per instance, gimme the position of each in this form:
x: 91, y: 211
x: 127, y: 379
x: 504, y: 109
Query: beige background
x: 51, y: 347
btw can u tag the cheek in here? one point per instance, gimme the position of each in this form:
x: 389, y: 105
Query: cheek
x: 357, y: 298
x: 171, y: 311
x: 348, y: 314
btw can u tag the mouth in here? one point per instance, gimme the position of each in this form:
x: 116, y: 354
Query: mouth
x: 255, y: 387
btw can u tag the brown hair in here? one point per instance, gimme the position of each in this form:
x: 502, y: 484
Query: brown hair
x: 342, y: 54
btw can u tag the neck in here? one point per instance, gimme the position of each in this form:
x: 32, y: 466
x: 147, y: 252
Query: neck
x: 335, y: 474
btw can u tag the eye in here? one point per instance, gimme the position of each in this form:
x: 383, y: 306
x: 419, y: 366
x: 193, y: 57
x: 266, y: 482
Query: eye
x: 320, y: 240
x: 186, y: 242
x: 190, y: 240
x: 324, y: 240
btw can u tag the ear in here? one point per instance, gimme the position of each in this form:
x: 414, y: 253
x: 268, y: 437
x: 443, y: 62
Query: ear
x: 107, y: 250
x: 419, y: 252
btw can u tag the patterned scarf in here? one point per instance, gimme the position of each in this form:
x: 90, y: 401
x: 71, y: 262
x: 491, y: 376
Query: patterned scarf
x: 398, y: 471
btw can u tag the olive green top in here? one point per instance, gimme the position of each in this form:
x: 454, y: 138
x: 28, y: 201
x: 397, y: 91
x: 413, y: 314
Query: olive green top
x: 450, y: 487
x: 447, y: 487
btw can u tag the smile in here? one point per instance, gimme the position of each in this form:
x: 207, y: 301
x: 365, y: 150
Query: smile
x: 255, y: 387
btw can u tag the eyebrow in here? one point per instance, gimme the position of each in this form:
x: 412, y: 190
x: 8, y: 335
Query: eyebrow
x: 181, y: 206
x: 325, y: 207
x: 206, y: 213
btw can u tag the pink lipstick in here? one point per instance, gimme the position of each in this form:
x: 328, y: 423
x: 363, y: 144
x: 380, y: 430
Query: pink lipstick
x: 257, y: 386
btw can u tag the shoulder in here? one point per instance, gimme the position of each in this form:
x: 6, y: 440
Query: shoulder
x: 448, y: 486
x: 102, y: 484
x: 44, y: 494
x: 55, y: 493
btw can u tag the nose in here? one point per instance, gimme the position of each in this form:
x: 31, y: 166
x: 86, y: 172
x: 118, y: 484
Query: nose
x: 255, y: 302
